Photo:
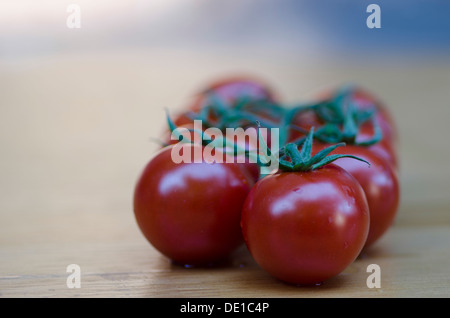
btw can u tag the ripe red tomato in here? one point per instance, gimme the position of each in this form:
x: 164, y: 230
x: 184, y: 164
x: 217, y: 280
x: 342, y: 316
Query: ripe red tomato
x: 231, y: 89
x: 362, y: 99
x: 364, y: 132
x: 384, y: 148
x: 190, y: 212
x: 379, y: 182
x: 365, y: 100
x: 228, y: 91
x: 306, y: 227
x: 302, y: 122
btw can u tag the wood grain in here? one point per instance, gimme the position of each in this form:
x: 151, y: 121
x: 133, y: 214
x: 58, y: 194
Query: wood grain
x: 76, y: 131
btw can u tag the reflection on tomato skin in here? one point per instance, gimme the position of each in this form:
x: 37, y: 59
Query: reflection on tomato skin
x: 379, y: 182
x: 306, y: 227
x: 190, y: 212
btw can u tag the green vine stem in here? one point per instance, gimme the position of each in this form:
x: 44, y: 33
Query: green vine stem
x: 348, y: 131
x: 294, y: 160
x: 341, y: 126
x: 226, y: 145
x: 342, y: 121
x: 229, y: 116
x: 334, y: 109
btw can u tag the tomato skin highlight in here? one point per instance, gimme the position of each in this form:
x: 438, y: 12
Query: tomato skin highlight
x: 306, y: 227
x: 380, y: 184
x: 190, y: 212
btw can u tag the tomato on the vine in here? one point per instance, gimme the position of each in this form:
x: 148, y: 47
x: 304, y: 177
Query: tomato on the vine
x: 306, y: 224
x: 379, y: 182
x: 306, y: 227
x: 229, y: 92
x: 302, y: 122
x: 231, y: 89
x: 190, y: 212
x: 384, y: 148
x: 351, y: 116
x: 364, y: 100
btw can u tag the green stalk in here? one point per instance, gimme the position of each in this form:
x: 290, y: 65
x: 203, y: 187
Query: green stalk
x: 295, y: 160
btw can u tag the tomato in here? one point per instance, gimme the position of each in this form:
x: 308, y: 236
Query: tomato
x: 362, y: 99
x: 302, y: 122
x: 338, y: 116
x: 306, y: 227
x: 231, y: 89
x: 379, y: 182
x: 190, y: 212
x: 228, y: 92
x: 384, y: 148
x: 365, y: 100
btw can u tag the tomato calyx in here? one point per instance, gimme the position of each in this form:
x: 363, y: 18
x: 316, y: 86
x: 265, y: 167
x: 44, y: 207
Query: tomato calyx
x: 349, y: 131
x: 344, y: 122
x: 292, y: 159
x: 333, y: 109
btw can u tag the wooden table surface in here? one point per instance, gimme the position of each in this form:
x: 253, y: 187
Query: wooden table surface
x: 76, y: 131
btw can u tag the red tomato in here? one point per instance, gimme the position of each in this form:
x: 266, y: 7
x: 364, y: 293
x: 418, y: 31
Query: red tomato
x: 229, y: 91
x: 190, y: 212
x: 302, y: 122
x: 306, y: 227
x: 379, y: 182
x: 364, y: 100
x: 384, y: 148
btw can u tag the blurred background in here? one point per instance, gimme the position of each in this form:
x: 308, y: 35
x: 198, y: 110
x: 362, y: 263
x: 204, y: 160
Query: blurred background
x: 79, y: 106
x: 37, y: 28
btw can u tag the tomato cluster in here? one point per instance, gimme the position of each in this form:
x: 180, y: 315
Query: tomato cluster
x: 334, y: 194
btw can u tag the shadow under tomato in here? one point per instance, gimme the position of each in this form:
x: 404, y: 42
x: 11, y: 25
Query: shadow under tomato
x: 239, y: 259
x: 374, y: 251
x: 337, y: 282
x: 216, y: 264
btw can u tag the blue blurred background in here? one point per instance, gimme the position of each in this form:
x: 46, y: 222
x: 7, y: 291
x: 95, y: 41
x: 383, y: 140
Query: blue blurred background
x: 324, y: 27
